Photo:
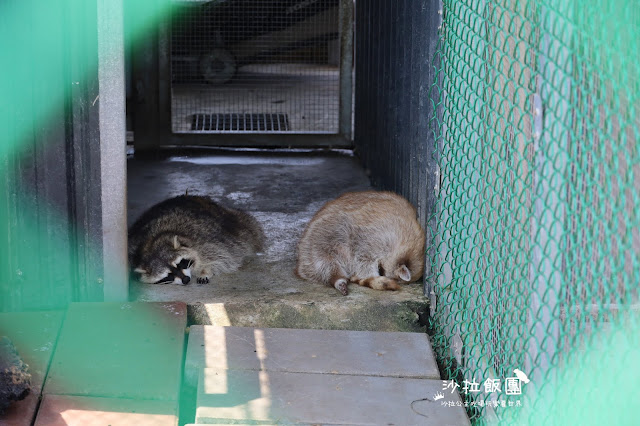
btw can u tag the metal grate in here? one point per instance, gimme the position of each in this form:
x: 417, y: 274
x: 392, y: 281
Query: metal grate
x: 256, y: 57
x: 240, y: 122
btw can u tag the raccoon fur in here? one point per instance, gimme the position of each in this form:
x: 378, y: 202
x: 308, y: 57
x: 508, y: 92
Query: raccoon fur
x: 189, y: 237
x: 371, y: 238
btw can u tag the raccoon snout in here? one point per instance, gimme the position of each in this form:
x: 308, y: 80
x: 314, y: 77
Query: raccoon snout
x: 185, y: 276
x: 182, y: 272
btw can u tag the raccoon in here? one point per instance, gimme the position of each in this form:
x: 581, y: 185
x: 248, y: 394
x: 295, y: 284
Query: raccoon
x: 189, y: 237
x: 371, y: 238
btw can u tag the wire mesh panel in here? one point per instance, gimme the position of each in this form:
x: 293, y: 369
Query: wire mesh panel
x: 394, y: 41
x: 536, y: 238
x: 250, y: 58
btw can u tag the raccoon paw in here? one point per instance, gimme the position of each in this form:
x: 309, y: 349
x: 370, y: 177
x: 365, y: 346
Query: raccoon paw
x: 203, y: 280
x: 341, y: 286
x: 390, y: 284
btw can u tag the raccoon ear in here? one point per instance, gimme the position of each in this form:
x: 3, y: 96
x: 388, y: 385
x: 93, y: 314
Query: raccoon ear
x: 178, y: 242
x: 404, y: 273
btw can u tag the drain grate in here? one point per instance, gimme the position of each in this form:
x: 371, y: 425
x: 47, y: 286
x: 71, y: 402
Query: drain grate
x: 240, y: 122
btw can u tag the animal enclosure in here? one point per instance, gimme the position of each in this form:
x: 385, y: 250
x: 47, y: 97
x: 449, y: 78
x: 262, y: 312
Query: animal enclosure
x: 511, y: 126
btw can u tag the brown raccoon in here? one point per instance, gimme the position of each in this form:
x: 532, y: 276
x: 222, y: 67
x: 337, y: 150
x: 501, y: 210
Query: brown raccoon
x: 371, y: 238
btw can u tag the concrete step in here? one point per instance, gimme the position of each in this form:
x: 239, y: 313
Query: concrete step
x: 63, y: 410
x: 34, y: 335
x: 275, y: 303
x: 306, y: 398
x: 120, y: 350
x: 317, y: 377
x: 390, y: 354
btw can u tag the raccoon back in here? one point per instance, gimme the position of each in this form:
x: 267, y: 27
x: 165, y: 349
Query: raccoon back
x: 360, y: 228
x: 201, y: 220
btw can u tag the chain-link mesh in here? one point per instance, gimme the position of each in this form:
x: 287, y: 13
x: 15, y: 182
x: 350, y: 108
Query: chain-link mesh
x: 536, y: 237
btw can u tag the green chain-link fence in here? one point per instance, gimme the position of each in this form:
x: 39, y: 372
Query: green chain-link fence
x: 535, y: 244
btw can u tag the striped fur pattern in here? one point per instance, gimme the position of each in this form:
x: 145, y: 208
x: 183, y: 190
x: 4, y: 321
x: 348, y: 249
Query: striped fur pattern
x: 191, y: 237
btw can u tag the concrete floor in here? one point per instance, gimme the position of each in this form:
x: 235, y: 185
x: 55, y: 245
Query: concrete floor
x: 282, y: 190
x: 99, y: 364
x: 249, y: 375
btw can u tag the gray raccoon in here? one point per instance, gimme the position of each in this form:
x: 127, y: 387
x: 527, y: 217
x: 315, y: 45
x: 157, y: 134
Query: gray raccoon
x: 191, y: 236
x: 371, y: 238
